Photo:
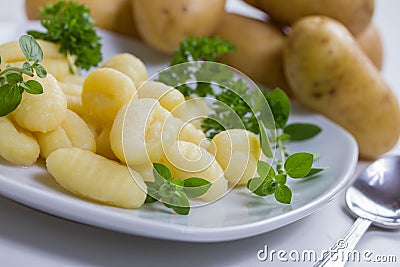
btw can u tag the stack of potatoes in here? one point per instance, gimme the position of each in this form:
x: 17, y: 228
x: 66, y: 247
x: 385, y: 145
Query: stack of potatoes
x: 326, y: 54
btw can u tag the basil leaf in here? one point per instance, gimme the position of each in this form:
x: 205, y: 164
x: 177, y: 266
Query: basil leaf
x: 195, y: 187
x: 264, y: 169
x: 40, y: 70
x: 314, y: 171
x: 161, y: 173
x: 301, y: 131
x: 14, y: 78
x: 280, y: 107
x: 32, y: 87
x: 283, y: 194
x: 10, y: 97
x: 264, y: 140
x: 299, y: 165
x: 30, y: 48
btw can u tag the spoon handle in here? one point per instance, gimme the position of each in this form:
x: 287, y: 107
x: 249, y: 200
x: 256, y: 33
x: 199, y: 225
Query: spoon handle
x: 340, y: 252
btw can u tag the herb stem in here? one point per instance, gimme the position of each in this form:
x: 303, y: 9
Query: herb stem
x: 281, y: 150
x: 16, y: 69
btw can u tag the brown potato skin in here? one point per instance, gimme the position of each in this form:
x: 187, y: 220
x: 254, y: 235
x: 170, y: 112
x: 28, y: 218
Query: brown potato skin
x: 163, y: 24
x: 329, y: 73
x: 115, y: 15
x: 259, y: 49
x: 355, y: 14
x: 371, y: 43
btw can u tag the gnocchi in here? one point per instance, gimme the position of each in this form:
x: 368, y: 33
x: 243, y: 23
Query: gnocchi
x: 43, y: 112
x: 87, y: 174
x: 104, y: 92
x: 73, y: 132
x: 17, y: 145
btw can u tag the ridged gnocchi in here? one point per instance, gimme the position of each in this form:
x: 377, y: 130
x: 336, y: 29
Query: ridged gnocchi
x: 43, y: 112
x: 87, y: 174
x: 238, y: 152
x: 128, y: 64
x: 72, y: 132
x: 187, y: 160
x: 104, y: 92
x: 17, y: 145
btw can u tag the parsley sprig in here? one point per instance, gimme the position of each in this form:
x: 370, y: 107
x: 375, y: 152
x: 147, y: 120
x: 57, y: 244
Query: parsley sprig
x: 70, y: 25
x: 12, y: 83
x: 236, y: 95
x: 174, y: 193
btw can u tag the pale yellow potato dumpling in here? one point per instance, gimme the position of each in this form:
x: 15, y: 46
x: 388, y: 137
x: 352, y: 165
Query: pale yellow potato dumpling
x: 128, y: 64
x: 146, y: 171
x: 142, y: 130
x: 57, y: 67
x: 103, y: 146
x: 17, y: 145
x: 11, y: 52
x: 104, y: 92
x: 168, y: 96
x: 43, y: 112
x: 73, y: 93
x: 237, y: 151
x: 189, y: 133
x: 73, y: 132
x: 193, y: 110
x: 74, y: 79
x: 187, y: 160
x: 87, y: 174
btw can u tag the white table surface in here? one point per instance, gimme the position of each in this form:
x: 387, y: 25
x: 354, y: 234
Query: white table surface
x: 32, y: 238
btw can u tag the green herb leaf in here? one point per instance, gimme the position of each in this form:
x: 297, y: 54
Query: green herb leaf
x: 255, y: 185
x: 264, y: 140
x: 10, y: 97
x: 161, y: 172
x: 14, y: 78
x: 283, y: 194
x: 40, y: 70
x: 27, y: 67
x: 299, y: 165
x: 281, y: 179
x: 32, y: 87
x: 269, y: 187
x: 264, y: 169
x: 30, y: 48
x: 70, y: 25
x: 179, y: 202
x: 195, y: 187
x: 301, y: 131
x: 280, y: 107
x: 313, y: 172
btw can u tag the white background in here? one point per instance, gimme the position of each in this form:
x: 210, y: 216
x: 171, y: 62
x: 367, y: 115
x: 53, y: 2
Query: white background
x: 32, y: 238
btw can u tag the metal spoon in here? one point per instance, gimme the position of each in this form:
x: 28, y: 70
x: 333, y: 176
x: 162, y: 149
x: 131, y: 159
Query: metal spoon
x: 375, y: 199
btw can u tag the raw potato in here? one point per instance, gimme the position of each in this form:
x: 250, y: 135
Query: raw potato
x: 371, y: 43
x: 169, y: 97
x: 142, y: 130
x: 259, y: 51
x: 237, y: 151
x: 43, y: 112
x: 17, y: 145
x: 104, y: 92
x: 73, y: 132
x: 128, y: 64
x: 92, y: 176
x: 113, y: 15
x: 328, y: 72
x: 187, y: 160
x: 355, y: 14
x: 164, y: 24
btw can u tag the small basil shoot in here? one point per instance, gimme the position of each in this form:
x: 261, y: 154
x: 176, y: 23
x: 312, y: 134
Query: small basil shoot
x: 12, y: 83
x: 172, y: 192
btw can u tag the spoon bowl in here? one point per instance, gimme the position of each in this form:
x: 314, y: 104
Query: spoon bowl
x: 375, y: 199
x: 375, y: 195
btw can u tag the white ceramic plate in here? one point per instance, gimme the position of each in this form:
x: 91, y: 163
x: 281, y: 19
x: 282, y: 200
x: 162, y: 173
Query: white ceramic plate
x: 237, y: 215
